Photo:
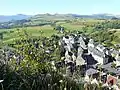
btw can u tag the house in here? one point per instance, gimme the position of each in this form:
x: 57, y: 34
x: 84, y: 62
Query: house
x: 99, y: 56
x: 80, y: 51
x: 82, y: 43
x: 108, y: 68
x: 107, y: 51
x: 89, y: 59
x: 91, y: 46
x: 62, y: 30
x: 69, y: 41
x: 117, y: 59
x: 80, y: 61
x: 68, y: 57
x: 69, y: 47
x: 74, y: 57
x: 98, y: 52
x: 91, y: 71
x: 66, y: 39
x: 114, y: 52
x: 100, y: 47
x: 118, y: 72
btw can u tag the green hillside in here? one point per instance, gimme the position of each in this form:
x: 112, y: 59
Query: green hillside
x: 22, y: 35
x: 44, y: 24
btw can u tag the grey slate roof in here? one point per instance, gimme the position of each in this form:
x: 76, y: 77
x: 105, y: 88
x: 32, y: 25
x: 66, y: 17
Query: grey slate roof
x: 108, y: 52
x: 98, y: 53
x: 118, y: 58
x: 101, y: 46
x: 89, y: 59
x: 109, y: 68
x: 80, y: 51
x: 91, y: 41
x: 91, y: 71
x: 114, y: 51
x: 82, y: 42
x: 96, y: 43
x: 90, y: 48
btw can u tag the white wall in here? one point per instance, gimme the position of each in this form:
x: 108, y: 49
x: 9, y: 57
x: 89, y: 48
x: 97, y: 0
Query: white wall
x: 97, y: 58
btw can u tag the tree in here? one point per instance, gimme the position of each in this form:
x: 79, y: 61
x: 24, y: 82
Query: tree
x: 1, y: 36
x: 59, y: 28
x: 85, y: 29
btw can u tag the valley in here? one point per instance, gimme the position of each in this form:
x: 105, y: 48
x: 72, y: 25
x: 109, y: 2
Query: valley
x: 60, y: 52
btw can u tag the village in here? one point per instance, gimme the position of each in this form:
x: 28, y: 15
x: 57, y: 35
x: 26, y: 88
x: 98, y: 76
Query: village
x: 99, y: 64
x: 60, y: 45
x: 96, y: 63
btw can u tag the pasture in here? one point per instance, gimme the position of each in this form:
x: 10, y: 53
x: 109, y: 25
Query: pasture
x: 10, y: 35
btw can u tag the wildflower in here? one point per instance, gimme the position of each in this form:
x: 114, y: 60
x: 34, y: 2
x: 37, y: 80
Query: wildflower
x: 61, y: 81
x: 48, y: 84
x: 65, y: 88
x: 1, y: 81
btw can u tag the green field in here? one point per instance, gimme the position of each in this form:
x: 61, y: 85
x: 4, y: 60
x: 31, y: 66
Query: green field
x: 10, y: 35
x: 47, y: 30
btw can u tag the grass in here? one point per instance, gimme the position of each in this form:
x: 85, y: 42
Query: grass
x: 70, y: 26
x: 33, y: 31
x: 47, y: 30
x: 36, y: 31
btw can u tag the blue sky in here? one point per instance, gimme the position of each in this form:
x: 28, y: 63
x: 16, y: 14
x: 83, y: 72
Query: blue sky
x: 31, y: 7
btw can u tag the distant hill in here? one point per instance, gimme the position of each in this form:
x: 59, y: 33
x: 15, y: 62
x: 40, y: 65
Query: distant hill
x: 4, y: 18
x: 97, y: 16
x: 48, y: 16
x: 46, y: 19
x: 69, y: 16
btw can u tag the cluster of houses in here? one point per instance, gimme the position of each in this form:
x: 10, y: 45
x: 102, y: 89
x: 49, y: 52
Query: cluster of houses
x: 96, y: 61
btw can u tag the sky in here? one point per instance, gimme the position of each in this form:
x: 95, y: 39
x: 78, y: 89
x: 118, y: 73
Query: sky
x: 32, y: 7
